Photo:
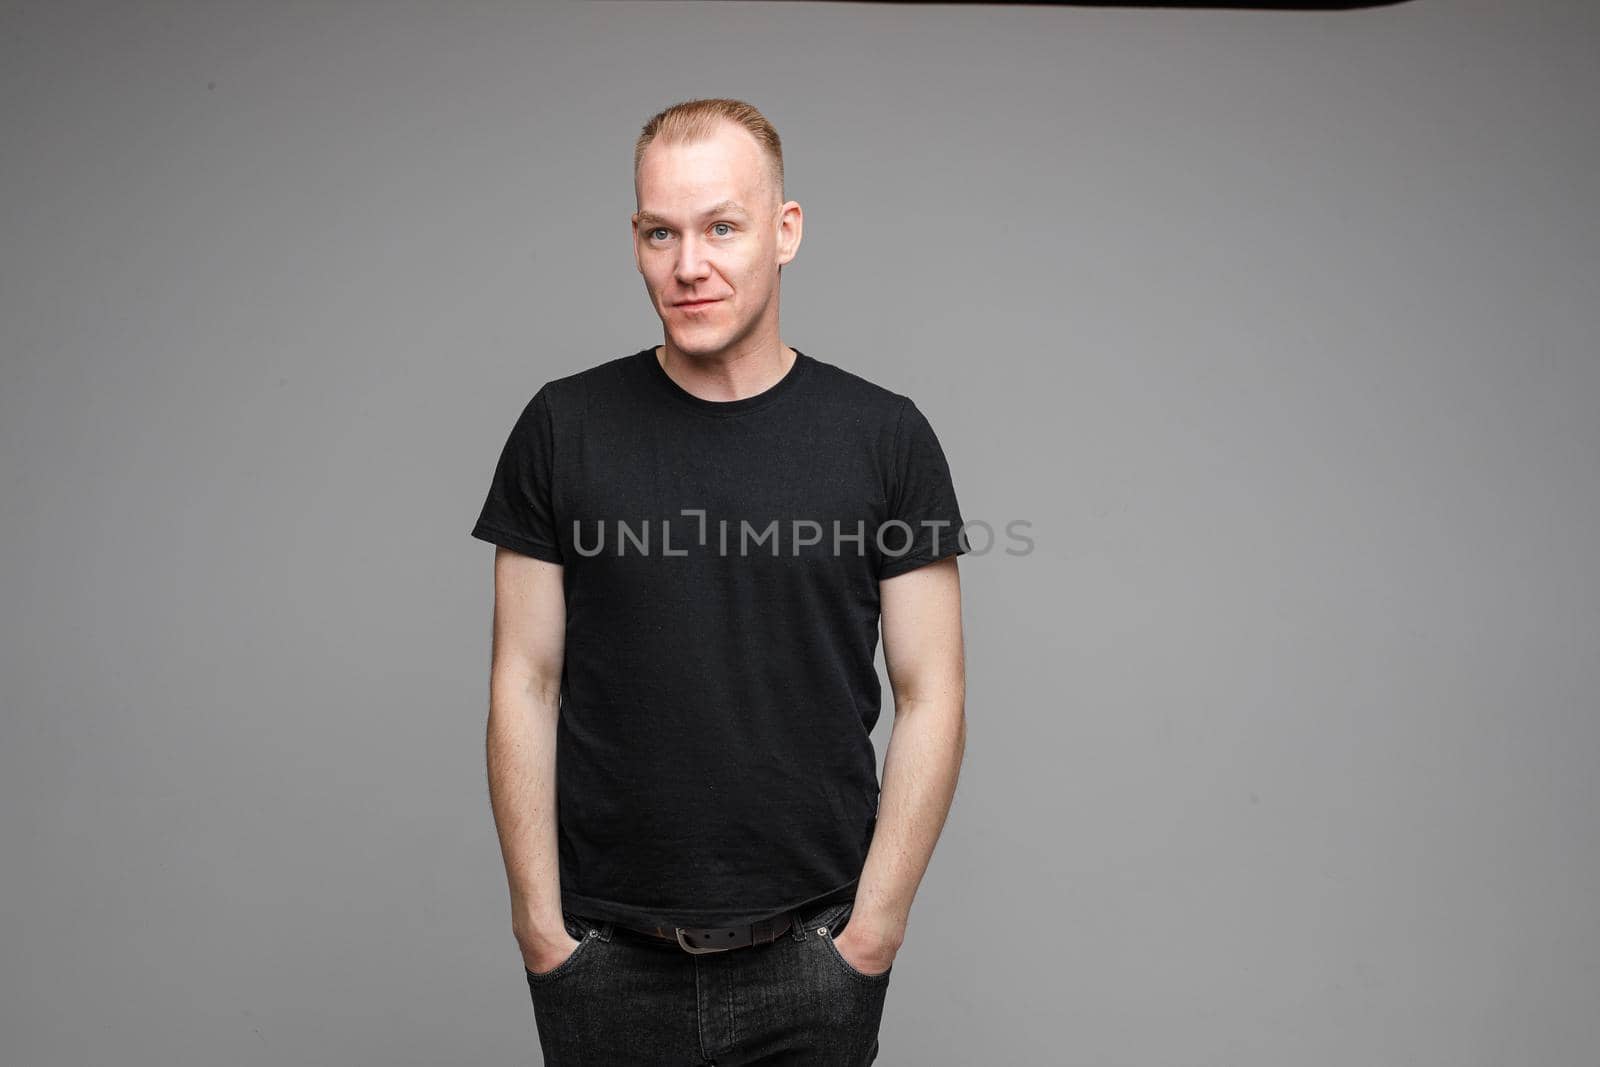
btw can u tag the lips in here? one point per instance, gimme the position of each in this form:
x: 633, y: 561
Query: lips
x: 692, y: 304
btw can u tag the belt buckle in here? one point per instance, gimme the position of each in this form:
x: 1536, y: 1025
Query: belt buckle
x: 697, y: 951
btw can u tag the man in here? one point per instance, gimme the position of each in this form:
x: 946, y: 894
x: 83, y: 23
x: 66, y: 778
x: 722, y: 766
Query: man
x: 697, y: 543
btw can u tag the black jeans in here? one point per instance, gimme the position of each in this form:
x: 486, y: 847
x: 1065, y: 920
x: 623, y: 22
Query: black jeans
x: 624, y: 999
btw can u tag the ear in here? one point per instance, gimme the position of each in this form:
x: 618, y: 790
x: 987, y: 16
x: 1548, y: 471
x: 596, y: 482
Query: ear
x: 791, y: 223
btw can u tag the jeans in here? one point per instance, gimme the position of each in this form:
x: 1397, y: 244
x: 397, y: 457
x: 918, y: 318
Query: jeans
x: 624, y: 999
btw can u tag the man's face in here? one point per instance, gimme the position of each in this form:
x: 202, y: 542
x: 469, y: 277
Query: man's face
x: 708, y: 239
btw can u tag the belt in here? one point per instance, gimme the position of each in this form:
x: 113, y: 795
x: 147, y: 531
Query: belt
x: 699, y: 939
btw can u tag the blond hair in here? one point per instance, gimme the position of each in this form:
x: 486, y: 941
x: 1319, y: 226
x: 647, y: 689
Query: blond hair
x: 697, y: 120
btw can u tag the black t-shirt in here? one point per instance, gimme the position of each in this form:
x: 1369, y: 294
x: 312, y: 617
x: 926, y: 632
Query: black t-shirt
x: 714, y: 760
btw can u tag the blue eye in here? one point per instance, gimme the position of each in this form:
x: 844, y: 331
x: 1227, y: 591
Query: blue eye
x: 721, y: 224
x: 655, y: 231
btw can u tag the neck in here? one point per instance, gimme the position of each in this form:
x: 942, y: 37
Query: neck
x: 730, y: 376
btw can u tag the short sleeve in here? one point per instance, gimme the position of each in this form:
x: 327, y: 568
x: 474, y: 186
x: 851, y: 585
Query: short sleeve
x: 519, y: 512
x: 921, y: 497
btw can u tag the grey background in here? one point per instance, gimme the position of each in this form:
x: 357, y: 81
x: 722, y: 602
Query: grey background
x: 1280, y: 328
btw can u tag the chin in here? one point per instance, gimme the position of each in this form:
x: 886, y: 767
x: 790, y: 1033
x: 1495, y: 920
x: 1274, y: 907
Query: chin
x: 697, y: 341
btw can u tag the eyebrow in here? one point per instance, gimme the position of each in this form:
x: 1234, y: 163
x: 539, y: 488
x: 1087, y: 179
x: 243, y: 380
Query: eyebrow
x: 726, y: 207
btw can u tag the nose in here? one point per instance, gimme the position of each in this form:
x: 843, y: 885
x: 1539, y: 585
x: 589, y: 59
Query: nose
x: 692, y: 265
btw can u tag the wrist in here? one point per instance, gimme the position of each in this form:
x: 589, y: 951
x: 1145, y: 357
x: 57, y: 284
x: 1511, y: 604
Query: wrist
x: 884, y: 930
x: 538, y: 922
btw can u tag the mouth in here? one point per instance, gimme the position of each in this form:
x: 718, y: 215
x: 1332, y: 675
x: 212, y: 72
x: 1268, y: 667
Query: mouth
x: 694, y: 305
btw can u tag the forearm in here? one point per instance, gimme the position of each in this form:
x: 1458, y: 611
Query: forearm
x: 522, y: 792
x: 919, y: 780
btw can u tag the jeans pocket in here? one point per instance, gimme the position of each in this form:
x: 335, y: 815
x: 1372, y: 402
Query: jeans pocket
x: 586, y: 934
x: 824, y: 926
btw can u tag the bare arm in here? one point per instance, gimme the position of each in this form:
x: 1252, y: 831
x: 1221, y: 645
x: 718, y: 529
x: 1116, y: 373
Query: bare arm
x: 524, y: 702
x: 924, y: 651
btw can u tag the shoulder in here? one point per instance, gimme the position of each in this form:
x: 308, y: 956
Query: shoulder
x: 569, y: 396
x: 850, y: 392
x: 892, y: 419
